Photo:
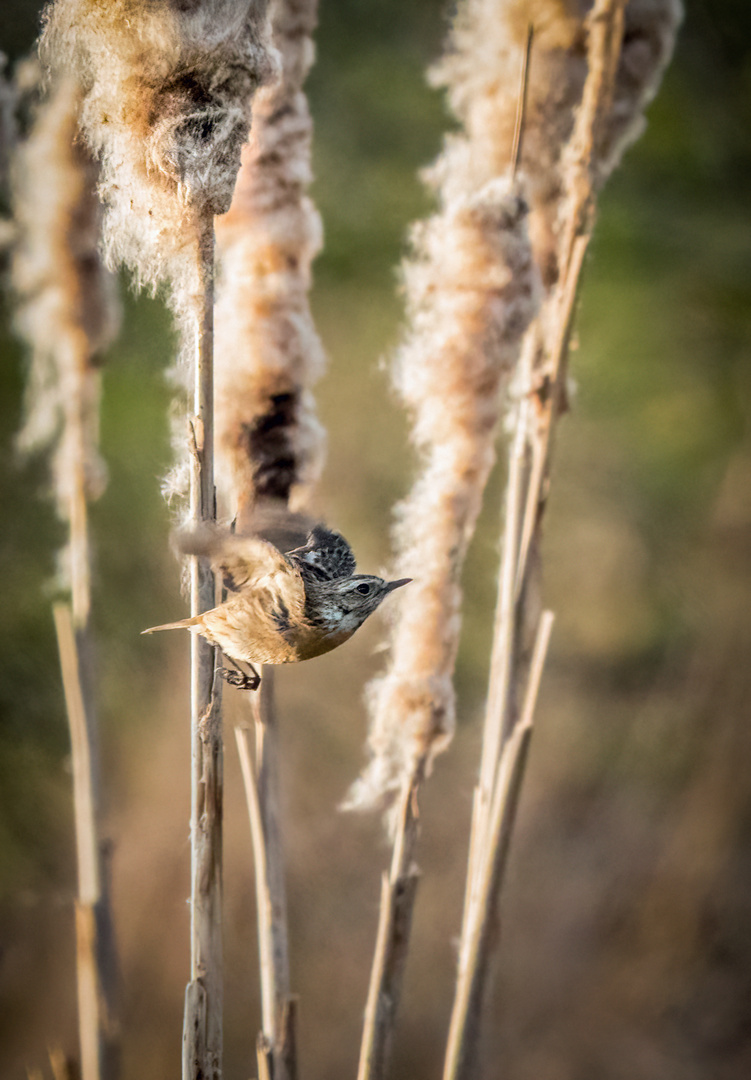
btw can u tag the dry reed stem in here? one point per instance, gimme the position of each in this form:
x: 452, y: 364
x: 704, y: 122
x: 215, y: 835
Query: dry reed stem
x: 484, y: 885
x: 267, y: 778
x: 542, y: 379
x: 67, y: 313
x: 527, y: 463
x: 264, y: 905
x: 260, y: 778
x: 269, y: 442
x: 398, y: 893
x: 202, y: 1029
x: 264, y: 1058
x: 96, y: 963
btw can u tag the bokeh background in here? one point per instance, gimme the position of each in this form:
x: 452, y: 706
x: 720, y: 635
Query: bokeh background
x: 627, y: 914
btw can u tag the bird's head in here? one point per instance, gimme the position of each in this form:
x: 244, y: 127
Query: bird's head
x: 345, y: 604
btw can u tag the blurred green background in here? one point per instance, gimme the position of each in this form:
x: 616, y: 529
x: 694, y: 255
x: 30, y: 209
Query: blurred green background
x: 627, y: 916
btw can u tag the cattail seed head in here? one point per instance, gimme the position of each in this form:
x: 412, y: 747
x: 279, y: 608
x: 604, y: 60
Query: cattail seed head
x: 268, y: 354
x: 166, y: 108
x: 66, y: 310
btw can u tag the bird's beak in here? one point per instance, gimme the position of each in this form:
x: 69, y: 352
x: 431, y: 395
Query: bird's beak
x: 391, y: 585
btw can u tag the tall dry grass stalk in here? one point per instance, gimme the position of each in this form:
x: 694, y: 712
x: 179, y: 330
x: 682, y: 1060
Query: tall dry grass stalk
x: 269, y: 442
x: 626, y: 52
x: 166, y: 109
x: 473, y: 288
x: 67, y: 312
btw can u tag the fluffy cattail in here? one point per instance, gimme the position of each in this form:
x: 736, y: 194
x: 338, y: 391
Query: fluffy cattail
x: 472, y: 289
x: 166, y: 109
x: 649, y: 32
x: 481, y: 74
x: 67, y: 312
x: 167, y: 93
x: 268, y: 354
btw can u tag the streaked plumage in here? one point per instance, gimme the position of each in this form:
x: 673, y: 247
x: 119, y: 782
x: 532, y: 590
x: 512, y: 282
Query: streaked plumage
x: 282, y: 608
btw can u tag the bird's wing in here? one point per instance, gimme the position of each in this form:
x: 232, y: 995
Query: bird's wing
x: 326, y: 555
x: 245, y: 562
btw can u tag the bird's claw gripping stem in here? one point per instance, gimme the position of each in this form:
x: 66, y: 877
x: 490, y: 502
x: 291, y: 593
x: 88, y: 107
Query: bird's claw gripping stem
x: 241, y: 679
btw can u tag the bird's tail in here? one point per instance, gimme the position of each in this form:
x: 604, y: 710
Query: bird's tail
x: 181, y: 624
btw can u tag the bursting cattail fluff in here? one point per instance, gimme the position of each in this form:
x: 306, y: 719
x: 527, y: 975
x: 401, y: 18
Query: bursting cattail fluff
x: 268, y: 354
x: 167, y: 97
x: 480, y: 71
x: 167, y: 93
x: 66, y: 311
x: 649, y: 32
x: 472, y: 289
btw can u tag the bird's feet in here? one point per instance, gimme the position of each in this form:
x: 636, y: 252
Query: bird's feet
x: 243, y: 680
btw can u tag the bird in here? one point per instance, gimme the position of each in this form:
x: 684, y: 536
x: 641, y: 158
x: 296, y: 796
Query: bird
x: 281, y: 607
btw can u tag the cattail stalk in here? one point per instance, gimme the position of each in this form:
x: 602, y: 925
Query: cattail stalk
x: 166, y: 107
x: 584, y: 163
x: 269, y: 442
x: 67, y: 313
x: 202, y: 1029
x: 472, y: 290
x: 496, y: 798
x: 398, y: 894
x: 260, y: 771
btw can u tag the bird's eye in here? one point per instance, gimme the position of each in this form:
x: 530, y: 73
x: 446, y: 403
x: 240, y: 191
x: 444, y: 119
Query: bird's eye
x: 364, y: 588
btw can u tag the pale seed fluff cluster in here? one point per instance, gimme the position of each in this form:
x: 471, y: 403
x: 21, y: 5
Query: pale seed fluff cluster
x: 472, y: 290
x: 166, y: 109
x: 649, y: 32
x: 481, y: 74
x: 66, y: 304
x: 268, y: 354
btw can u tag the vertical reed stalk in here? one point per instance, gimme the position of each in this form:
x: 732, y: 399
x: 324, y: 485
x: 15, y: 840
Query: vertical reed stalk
x: 260, y: 773
x: 398, y: 893
x: 269, y: 442
x: 542, y: 400
x: 67, y: 313
x: 489, y: 846
x: 96, y: 964
x: 202, y: 1031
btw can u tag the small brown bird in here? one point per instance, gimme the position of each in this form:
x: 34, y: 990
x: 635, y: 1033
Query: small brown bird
x: 281, y: 608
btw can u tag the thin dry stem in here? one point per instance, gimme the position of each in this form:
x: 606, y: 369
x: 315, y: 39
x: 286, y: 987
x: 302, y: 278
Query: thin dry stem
x: 476, y: 951
x: 67, y: 313
x: 269, y: 442
x: 542, y: 385
x: 502, y: 655
x: 398, y: 893
x: 267, y: 777
x: 485, y: 879
x: 95, y: 953
x: 264, y: 905
x: 260, y: 778
x: 202, y: 1031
